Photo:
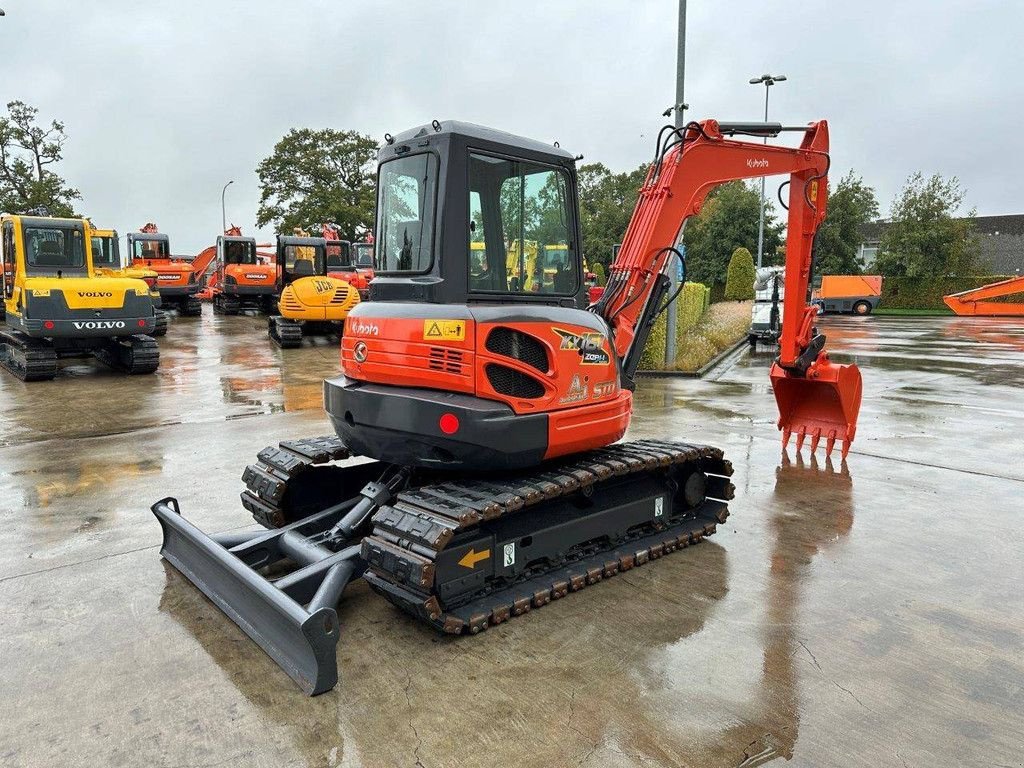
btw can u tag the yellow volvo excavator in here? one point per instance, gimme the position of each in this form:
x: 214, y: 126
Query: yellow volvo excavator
x: 311, y: 302
x: 106, y: 260
x: 56, y: 305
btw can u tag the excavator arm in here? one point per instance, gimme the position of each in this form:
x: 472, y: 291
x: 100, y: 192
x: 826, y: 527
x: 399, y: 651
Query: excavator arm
x: 815, y: 397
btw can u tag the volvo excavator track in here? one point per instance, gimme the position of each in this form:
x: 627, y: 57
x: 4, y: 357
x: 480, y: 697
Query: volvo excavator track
x: 135, y: 355
x: 28, y: 358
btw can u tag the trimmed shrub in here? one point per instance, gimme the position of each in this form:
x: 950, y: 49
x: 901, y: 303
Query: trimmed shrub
x: 927, y: 292
x: 739, y: 280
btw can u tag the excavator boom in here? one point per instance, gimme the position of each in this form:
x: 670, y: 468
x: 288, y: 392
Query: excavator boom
x: 976, y: 301
x: 815, y: 397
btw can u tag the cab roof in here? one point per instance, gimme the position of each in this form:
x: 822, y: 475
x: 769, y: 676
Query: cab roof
x: 480, y: 133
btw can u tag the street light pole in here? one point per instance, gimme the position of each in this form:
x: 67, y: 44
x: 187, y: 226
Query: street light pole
x: 223, y: 213
x: 768, y: 81
x: 680, y: 107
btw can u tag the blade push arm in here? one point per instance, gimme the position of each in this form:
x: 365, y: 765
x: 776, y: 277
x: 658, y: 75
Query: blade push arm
x: 693, y: 161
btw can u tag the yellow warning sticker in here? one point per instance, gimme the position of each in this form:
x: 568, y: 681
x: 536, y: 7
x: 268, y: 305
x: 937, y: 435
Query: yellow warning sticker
x: 444, y: 330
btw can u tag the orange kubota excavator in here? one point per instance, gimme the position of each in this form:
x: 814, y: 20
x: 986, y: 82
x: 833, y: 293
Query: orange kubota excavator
x: 492, y: 414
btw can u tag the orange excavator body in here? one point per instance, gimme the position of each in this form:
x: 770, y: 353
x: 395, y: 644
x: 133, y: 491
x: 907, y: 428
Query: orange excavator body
x: 178, y: 280
x: 976, y: 301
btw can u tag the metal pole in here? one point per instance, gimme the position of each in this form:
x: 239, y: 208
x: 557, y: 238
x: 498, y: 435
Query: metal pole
x: 672, y: 317
x: 223, y: 213
x: 760, y: 216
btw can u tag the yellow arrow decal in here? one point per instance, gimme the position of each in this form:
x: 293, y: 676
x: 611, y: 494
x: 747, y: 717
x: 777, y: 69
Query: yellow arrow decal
x: 471, y: 558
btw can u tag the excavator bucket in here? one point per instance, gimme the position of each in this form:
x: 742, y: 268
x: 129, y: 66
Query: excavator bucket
x: 293, y: 618
x: 823, y: 405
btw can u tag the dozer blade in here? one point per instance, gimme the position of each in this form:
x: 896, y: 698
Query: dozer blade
x: 293, y: 619
x: 824, y: 403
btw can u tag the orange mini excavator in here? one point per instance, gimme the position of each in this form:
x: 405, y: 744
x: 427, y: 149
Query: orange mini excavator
x: 491, y: 414
x: 242, y: 276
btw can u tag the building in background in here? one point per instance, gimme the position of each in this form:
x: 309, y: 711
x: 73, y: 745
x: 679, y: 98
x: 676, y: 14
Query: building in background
x: 1000, y: 238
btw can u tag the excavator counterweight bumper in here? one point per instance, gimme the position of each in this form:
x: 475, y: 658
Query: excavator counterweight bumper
x: 824, y: 403
x: 293, y: 618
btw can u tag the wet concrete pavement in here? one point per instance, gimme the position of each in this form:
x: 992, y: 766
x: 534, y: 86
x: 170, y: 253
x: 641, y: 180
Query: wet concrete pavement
x: 868, y: 614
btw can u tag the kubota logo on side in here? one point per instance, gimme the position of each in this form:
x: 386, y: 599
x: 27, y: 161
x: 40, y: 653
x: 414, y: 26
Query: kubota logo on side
x: 363, y: 329
x: 95, y: 294
x: 96, y: 325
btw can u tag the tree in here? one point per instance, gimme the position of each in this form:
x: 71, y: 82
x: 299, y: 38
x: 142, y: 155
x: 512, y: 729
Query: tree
x: 319, y: 176
x: 923, y: 238
x: 598, y: 270
x: 607, y: 201
x: 727, y: 221
x: 852, y: 205
x: 739, y: 283
x: 26, y: 149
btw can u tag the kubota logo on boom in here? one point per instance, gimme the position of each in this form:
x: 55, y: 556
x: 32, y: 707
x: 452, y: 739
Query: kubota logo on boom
x: 95, y: 294
x: 762, y: 163
x: 96, y: 325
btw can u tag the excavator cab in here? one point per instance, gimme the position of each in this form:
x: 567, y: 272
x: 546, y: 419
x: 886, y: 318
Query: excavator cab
x: 339, y: 256
x: 242, y: 278
x: 148, y: 246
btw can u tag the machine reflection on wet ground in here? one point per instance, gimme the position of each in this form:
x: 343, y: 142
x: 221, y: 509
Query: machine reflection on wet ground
x: 866, y: 613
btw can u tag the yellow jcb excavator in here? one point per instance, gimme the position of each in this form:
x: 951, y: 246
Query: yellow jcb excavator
x: 311, y: 302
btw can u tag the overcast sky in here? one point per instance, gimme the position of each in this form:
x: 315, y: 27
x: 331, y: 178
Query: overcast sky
x: 165, y: 102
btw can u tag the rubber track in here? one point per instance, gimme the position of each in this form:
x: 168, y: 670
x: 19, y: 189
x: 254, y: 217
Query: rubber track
x: 409, y: 534
x: 267, y: 480
x: 40, y: 359
x: 162, y: 321
x: 136, y: 355
x: 287, y: 334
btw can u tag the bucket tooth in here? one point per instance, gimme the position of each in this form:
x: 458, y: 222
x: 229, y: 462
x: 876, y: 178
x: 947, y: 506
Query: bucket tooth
x: 786, y: 432
x: 815, y: 439
x: 800, y: 435
x: 831, y: 443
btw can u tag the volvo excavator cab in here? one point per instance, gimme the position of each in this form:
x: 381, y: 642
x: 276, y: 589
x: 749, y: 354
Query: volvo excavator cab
x: 313, y: 302
x: 57, y: 305
x: 106, y: 259
x: 242, y: 280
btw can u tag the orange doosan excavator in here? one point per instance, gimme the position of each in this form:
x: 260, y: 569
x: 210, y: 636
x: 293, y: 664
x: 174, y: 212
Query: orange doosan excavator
x: 490, y: 416
x: 242, y: 276
x: 178, y: 280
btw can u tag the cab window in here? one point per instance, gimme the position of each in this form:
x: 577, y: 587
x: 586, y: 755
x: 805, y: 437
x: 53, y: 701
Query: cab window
x: 339, y: 254
x: 7, y: 257
x: 150, y: 249
x: 303, y: 260
x: 239, y: 252
x: 48, y: 249
x: 520, y: 232
x: 407, y: 195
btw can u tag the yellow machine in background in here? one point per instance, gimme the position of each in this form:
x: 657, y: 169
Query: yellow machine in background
x: 56, y: 305
x: 106, y: 261
x: 538, y: 268
x: 311, y: 303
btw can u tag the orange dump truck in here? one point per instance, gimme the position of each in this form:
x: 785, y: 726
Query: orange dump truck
x: 858, y: 294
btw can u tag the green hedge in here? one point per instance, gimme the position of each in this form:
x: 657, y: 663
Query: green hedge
x: 691, y: 304
x: 927, y: 292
